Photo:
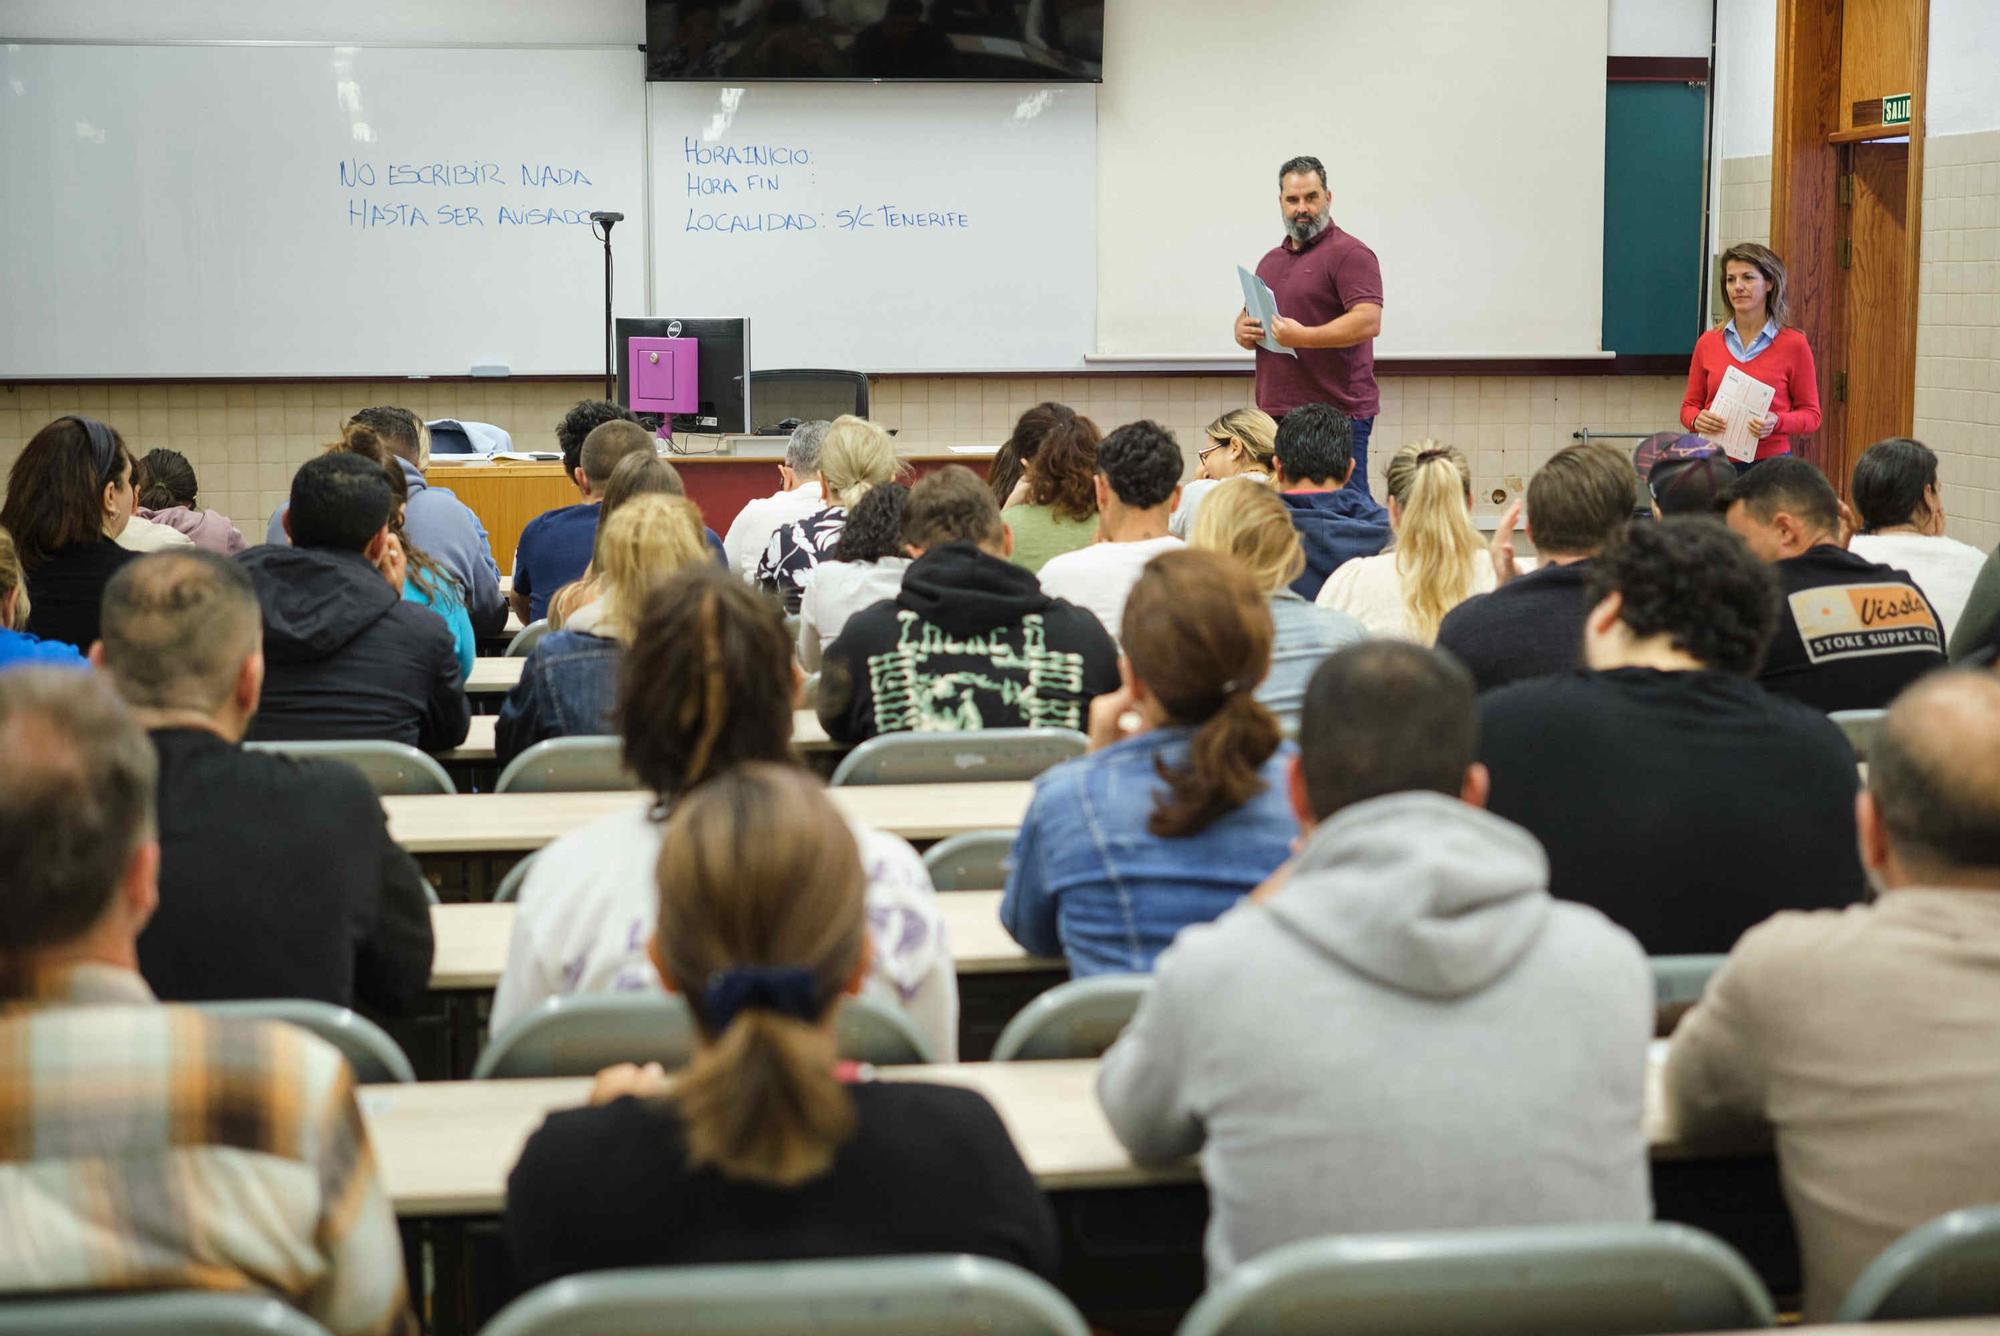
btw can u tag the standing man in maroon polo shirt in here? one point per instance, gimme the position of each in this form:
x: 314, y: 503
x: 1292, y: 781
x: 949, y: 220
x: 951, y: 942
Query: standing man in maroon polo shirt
x: 1329, y: 290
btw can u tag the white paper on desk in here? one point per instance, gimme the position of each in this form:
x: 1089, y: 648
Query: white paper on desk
x: 1739, y: 401
x: 1262, y: 304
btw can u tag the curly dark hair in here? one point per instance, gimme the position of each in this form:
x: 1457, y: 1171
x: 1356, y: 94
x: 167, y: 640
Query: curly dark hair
x: 1689, y: 578
x: 579, y: 422
x: 1142, y: 462
x: 1010, y: 461
x: 874, y: 528
x: 1062, y: 469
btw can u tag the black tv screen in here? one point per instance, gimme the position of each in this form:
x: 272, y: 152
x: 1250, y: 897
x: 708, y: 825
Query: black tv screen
x: 1039, y: 41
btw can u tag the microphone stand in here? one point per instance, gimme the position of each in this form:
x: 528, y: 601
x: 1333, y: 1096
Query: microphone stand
x: 607, y: 223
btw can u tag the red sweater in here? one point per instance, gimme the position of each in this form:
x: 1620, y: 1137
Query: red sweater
x: 1786, y: 366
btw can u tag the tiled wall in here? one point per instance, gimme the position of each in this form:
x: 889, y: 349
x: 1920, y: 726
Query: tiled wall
x: 246, y: 439
x: 1744, y: 211
x: 1958, y: 329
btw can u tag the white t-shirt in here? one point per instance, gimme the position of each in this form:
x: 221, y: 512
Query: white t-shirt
x: 750, y: 532
x: 1371, y: 589
x: 1100, y: 577
x: 1181, y: 525
x: 1943, y: 568
x: 589, y: 905
x: 144, y: 535
x: 835, y: 591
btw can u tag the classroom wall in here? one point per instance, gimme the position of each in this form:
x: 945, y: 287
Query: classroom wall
x: 246, y: 439
x: 1958, y: 304
x: 1746, y: 52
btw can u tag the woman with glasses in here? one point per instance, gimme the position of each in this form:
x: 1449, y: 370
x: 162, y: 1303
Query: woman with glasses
x: 1239, y: 445
x: 69, y: 496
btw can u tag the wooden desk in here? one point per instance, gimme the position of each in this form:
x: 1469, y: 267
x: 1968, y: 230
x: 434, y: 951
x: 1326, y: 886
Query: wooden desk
x: 445, y: 1147
x: 477, y: 749
x: 493, y: 676
x: 495, y: 823
x: 472, y: 941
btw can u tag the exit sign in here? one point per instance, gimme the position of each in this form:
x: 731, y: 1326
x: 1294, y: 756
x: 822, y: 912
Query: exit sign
x: 1896, y: 109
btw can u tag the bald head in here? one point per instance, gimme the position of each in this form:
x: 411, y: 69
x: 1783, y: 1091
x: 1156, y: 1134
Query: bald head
x: 76, y: 812
x: 1934, y: 783
x: 178, y: 628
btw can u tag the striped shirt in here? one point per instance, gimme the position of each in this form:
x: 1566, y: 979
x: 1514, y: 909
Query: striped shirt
x: 147, y: 1147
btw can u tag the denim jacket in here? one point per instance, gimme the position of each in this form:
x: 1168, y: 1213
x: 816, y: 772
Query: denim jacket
x: 567, y: 688
x: 1089, y: 881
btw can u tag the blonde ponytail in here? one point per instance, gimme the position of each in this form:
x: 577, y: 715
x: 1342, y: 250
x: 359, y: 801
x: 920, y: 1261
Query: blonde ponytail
x: 1436, y: 545
x: 761, y: 927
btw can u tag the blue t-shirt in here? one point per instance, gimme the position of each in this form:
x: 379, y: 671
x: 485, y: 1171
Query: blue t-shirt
x: 555, y: 548
x: 18, y: 649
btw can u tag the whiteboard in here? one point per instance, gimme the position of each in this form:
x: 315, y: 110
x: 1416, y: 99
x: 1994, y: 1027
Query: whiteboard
x: 313, y: 210
x: 880, y: 227
x: 1464, y: 143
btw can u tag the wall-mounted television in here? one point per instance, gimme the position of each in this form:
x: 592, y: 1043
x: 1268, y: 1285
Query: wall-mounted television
x: 1038, y: 41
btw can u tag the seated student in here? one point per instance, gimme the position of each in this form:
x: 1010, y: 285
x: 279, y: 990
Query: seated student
x: 1138, y: 477
x: 1406, y: 1031
x: 1690, y: 477
x: 69, y: 496
x: 1979, y: 625
x: 1251, y: 525
x: 1668, y: 788
x: 570, y: 681
x: 855, y: 456
x: 1239, y: 447
x: 1438, y: 559
x: 1313, y: 463
x: 798, y: 496
x: 1532, y: 625
x: 765, y: 1149
x: 636, y: 475
x: 1053, y: 509
x: 555, y: 545
x: 867, y: 567
x: 1868, y: 1040
x: 586, y: 906
x: 17, y: 647
x: 1010, y: 462
x: 1895, y: 490
x: 277, y: 876
x: 969, y: 641
x: 155, y: 1148
x: 168, y: 494
x: 1851, y: 632
x: 1179, y: 809
x: 344, y: 655
x: 445, y: 526
x: 427, y: 583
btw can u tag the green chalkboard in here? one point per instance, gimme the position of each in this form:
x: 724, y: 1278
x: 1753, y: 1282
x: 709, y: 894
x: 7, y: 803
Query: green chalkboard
x: 1652, y: 217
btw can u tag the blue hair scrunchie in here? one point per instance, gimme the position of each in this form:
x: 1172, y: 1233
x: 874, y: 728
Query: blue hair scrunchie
x: 786, y: 989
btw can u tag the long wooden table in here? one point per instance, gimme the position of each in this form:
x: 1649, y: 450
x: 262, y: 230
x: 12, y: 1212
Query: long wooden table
x: 515, y: 823
x: 472, y: 941
x: 477, y: 749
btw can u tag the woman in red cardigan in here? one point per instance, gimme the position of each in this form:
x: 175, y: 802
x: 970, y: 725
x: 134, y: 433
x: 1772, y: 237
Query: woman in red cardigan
x: 1756, y: 341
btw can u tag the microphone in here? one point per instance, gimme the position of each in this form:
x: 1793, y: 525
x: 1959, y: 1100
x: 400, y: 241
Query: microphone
x: 607, y: 218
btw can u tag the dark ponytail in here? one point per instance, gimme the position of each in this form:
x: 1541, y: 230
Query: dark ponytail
x: 166, y: 480
x: 1198, y: 632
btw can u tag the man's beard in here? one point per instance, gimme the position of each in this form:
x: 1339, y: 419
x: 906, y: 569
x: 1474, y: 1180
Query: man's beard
x: 1302, y: 230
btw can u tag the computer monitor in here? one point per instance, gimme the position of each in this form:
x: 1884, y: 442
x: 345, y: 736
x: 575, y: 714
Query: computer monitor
x: 721, y: 399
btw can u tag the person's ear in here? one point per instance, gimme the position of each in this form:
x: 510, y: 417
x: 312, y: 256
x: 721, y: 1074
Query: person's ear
x: 1872, y: 838
x: 660, y: 964
x: 109, y: 500
x: 285, y: 521
x: 1600, y: 619
x: 96, y: 655
x: 1100, y: 489
x: 912, y: 551
x: 1477, y: 787
x: 863, y: 962
x: 1295, y: 788
x: 581, y: 479
x: 139, y: 887
x: 1348, y: 476
x: 250, y: 682
x: 1174, y: 501
x: 375, y: 545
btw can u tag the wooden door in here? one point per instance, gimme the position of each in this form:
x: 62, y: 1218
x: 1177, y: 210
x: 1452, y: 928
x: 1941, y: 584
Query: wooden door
x: 1879, y: 353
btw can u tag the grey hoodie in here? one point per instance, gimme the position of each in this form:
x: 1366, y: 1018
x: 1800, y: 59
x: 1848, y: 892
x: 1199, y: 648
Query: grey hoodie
x: 1410, y: 1035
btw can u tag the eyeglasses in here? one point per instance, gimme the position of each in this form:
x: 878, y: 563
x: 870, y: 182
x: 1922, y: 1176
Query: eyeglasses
x: 1213, y: 446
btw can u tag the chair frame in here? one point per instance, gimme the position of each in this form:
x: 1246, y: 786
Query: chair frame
x: 155, y: 1313
x: 1887, y: 1288
x: 525, y: 639
x: 940, y: 857
x: 1026, y: 1034
x: 360, y: 753
x: 513, y: 779
x: 863, y: 765
x: 375, y: 1057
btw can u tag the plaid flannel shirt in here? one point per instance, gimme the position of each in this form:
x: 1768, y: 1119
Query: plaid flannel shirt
x: 158, y: 1147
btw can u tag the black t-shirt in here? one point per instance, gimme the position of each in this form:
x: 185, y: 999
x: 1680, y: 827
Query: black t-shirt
x: 1531, y: 626
x: 1852, y: 633
x: 1685, y: 806
x: 930, y: 1169
x: 66, y: 592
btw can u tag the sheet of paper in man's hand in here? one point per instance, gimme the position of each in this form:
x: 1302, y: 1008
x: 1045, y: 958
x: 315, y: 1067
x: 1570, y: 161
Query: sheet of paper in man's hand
x: 1739, y: 401
x: 1262, y: 305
